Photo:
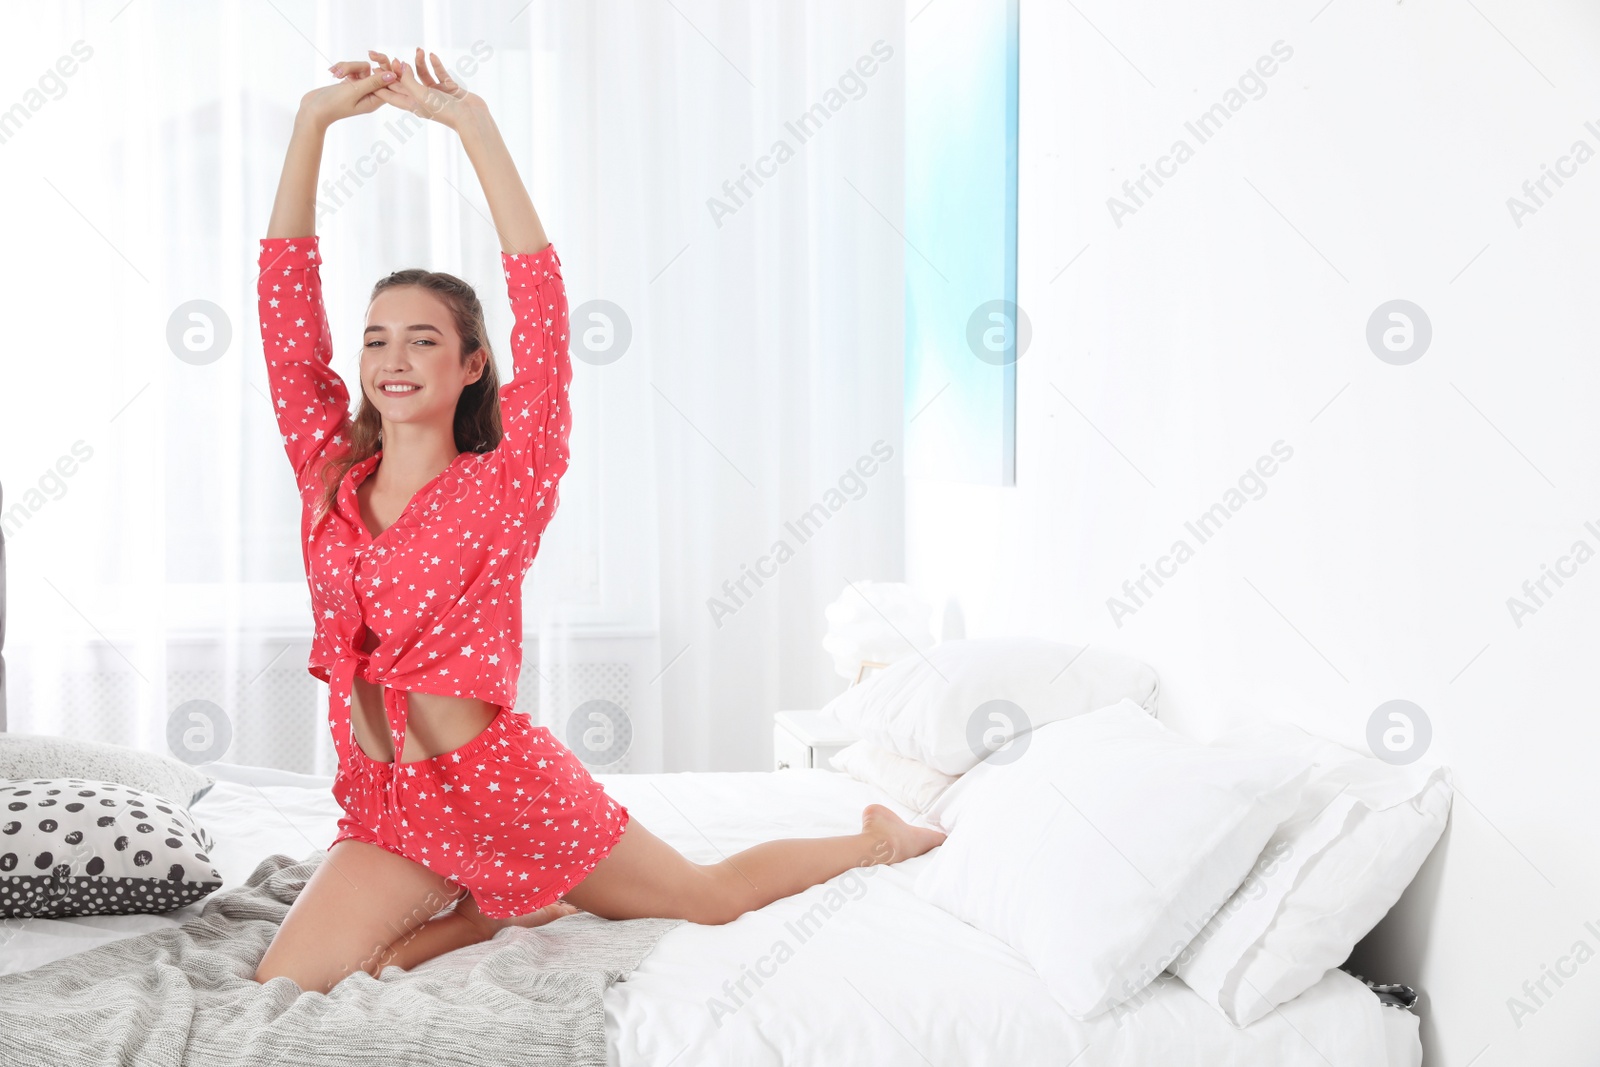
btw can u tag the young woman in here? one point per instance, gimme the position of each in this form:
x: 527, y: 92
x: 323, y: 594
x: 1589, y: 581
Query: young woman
x: 420, y: 517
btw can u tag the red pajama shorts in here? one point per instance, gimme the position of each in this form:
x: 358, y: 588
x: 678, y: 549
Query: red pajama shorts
x: 513, y: 815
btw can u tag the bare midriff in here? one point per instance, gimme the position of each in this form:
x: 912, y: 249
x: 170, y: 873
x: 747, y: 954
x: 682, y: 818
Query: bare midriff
x: 435, y: 724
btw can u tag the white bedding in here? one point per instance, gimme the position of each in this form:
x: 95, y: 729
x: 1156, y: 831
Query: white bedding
x: 879, y: 976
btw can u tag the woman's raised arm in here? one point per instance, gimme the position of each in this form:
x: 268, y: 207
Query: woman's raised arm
x: 309, y: 399
x: 534, y: 413
x: 436, y: 96
x: 515, y: 220
x: 294, y: 209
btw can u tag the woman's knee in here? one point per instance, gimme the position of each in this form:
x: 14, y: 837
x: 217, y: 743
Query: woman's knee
x: 725, y: 895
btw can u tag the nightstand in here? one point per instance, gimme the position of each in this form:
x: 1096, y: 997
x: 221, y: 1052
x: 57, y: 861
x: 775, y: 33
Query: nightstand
x: 807, y: 739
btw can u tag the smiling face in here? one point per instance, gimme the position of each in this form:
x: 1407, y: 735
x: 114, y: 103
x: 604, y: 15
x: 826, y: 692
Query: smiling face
x: 411, y: 368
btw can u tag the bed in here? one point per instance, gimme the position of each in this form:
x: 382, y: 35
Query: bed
x: 857, y: 970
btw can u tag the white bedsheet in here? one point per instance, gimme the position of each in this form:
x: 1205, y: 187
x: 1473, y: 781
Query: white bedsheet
x: 858, y: 970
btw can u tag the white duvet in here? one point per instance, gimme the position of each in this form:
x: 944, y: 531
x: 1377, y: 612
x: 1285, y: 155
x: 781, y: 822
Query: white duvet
x: 858, y: 970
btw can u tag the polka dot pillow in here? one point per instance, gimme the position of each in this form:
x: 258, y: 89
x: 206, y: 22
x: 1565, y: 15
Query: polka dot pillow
x: 78, y: 846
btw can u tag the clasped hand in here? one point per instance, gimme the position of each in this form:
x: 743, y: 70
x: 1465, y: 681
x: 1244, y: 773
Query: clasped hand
x: 366, y: 86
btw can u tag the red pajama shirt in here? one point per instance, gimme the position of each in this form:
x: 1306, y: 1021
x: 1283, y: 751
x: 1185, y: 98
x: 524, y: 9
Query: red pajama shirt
x: 513, y: 815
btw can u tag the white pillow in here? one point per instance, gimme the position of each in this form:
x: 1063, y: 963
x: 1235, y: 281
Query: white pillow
x: 909, y: 781
x: 940, y: 707
x: 1102, y: 850
x: 1326, y: 878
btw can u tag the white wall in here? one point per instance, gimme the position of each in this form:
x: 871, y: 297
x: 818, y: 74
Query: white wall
x: 1228, y: 313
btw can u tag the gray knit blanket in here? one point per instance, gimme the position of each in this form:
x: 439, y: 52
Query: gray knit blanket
x: 185, y: 995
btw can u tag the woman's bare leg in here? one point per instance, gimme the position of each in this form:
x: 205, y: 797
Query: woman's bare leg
x: 366, y: 908
x: 463, y: 926
x: 434, y: 938
x: 358, y: 902
x: 643, y: 876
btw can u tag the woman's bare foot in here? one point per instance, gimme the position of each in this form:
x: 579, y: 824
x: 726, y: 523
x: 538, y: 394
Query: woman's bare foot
x: 896, y: 839
x: 468, y: 908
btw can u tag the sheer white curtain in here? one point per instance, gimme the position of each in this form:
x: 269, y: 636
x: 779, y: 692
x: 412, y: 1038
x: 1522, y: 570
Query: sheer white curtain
x: 778, y: 355
x: 156, y: 592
